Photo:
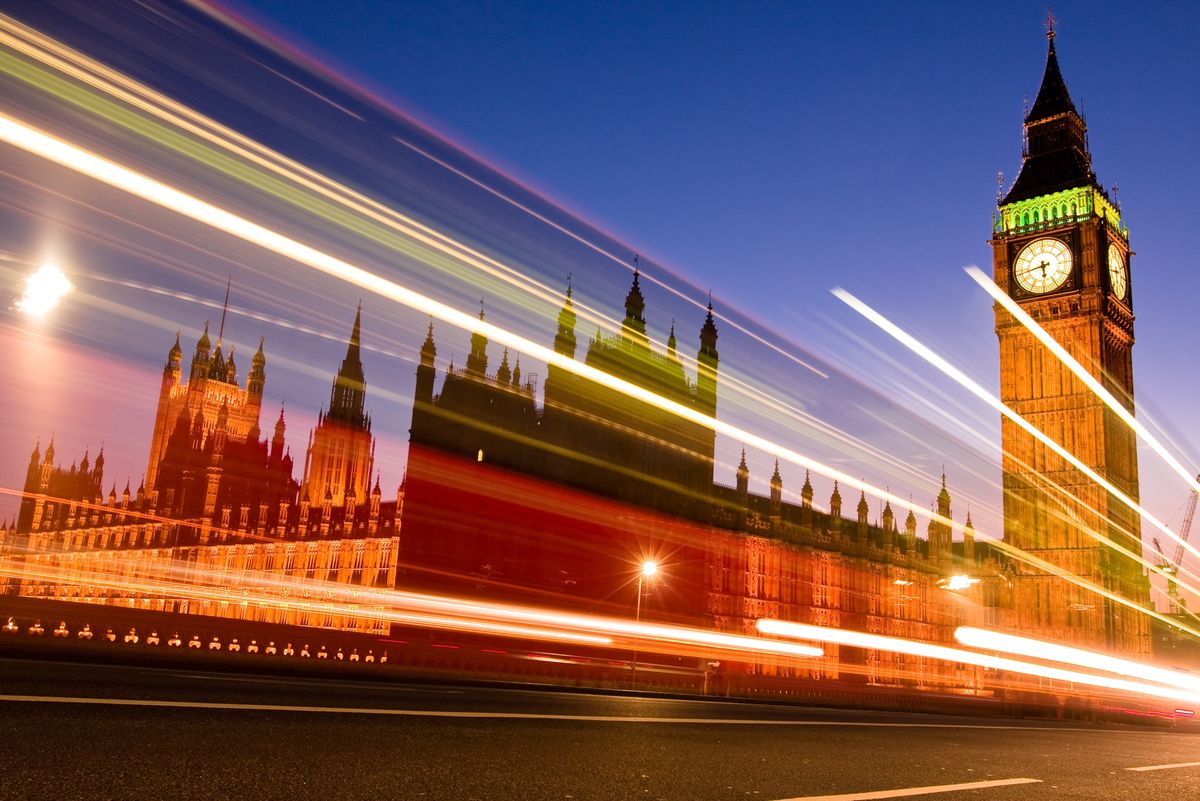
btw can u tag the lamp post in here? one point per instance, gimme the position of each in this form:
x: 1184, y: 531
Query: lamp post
x: 648, y: 571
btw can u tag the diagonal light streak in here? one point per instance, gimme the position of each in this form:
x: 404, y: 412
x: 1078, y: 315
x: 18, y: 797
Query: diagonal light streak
x: 75, y: 158
x: 980, y: 392
x: 1086, y: 377
x: 953, y: 372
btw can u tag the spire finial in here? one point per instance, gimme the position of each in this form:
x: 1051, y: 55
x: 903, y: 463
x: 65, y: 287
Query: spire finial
x: 1050, y: 21
x: 569, y: 276
x: 481, y: 308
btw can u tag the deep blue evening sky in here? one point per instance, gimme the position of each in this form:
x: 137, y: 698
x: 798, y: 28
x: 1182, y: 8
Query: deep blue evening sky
x: 774, y: 151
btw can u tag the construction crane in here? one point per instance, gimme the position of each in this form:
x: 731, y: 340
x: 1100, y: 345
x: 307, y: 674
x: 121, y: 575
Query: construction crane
x: 1171, y: 568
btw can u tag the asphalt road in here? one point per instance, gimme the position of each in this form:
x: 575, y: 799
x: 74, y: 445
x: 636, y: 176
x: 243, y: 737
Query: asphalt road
x: 86, y: 731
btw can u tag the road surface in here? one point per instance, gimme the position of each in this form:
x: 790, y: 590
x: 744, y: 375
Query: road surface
x: 90, y: 731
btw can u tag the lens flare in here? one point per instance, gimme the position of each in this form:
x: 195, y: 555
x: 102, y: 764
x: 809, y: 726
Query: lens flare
x: 44, y: 290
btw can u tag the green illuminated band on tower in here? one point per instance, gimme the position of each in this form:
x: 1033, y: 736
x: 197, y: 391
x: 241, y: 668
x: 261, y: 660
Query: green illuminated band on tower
x: 1060, y: 208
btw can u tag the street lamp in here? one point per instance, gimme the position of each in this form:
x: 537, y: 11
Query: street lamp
x: 649, y: 571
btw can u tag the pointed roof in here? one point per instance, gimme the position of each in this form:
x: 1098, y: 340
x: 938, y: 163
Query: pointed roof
x: 1052, y: 98
x: 635, y: 305
x: 708, y: 332
x: 428, y: 348
x: 1057, y: 156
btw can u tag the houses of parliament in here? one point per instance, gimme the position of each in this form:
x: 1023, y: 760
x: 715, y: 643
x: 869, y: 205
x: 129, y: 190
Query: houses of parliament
x: 556, y: 502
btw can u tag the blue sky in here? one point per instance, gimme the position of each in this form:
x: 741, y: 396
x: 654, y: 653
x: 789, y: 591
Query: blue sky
x: 775, y: 150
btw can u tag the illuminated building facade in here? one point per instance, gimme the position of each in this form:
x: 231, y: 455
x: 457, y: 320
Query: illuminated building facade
x: 1061, y: 250
x: 224, y: 509
x: 341, y: 450
x: 210, y: 397
x: 559, y: 505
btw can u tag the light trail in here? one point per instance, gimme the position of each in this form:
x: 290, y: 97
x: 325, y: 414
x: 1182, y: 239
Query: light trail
x: 1088, y: 380
x: 159, y: 193
x: 861, y: 640
x: 92, y: 73
x: 974, y: 388
x: 400, y: 607
x: 1053, y: 652
x: 72, y: 157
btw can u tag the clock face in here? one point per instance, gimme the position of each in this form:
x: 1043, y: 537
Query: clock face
x: 1043, y: 266
x: 1118, y: 275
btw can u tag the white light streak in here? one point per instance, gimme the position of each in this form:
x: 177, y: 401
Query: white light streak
x: 858, y: 639
x: 1053, y: 652
x: 974, y: 388
x: 1086, y: 377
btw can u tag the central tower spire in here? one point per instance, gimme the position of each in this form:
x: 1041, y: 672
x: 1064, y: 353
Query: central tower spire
x: 348, y: 397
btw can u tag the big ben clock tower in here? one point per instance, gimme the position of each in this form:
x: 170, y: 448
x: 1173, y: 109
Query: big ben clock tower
x: 1061, y: 250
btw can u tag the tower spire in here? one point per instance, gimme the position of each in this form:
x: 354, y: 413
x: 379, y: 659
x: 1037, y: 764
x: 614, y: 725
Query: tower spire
x: 634, y: 325
x: 348, y: 397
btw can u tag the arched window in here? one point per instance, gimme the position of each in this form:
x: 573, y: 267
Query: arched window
x: 1025, y: 218
x: 1037, y: 215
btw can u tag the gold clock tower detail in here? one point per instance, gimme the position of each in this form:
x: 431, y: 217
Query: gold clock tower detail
x: 1061, y: 250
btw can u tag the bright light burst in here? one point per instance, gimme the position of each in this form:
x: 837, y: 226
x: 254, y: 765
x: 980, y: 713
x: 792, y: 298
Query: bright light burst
x: 44, y: 290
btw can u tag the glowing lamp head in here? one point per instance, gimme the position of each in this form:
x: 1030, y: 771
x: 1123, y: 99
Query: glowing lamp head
x: 649, y: 568
x: 43, y: 291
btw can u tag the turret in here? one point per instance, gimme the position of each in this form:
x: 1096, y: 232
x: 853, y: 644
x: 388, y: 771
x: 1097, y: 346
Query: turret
x: 477, y: 358
x: 200, y: 358
x: 564, y: 338
x: 969, y: 541
x: 889, y: 526
x: 743, y: 479
x: 863, y: 511
x: 257, y: 379
x: 173, y: 369
x: 910, y: 532
x: 277, y: 443
x: 706, y: 365
x: 776, y: 491
x: 503, y: 372
x: 835, y: 508
x: 633, y: 327
x: 426, y: 370
x: 806, y: 492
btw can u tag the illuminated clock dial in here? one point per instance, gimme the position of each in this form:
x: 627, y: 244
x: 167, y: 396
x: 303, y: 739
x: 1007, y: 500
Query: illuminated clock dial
x: 1043, y: 266
x: 1118, y: 275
